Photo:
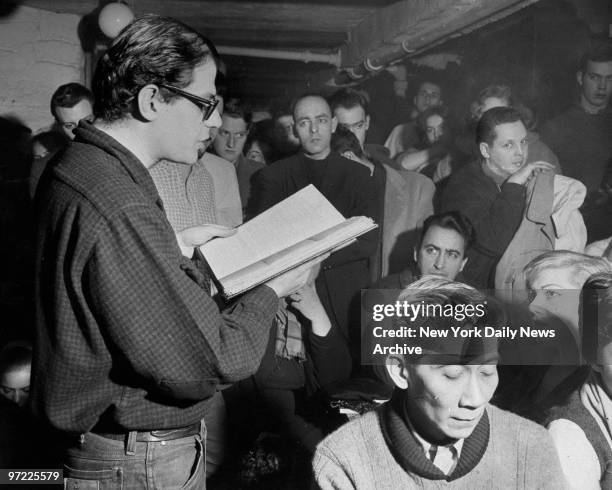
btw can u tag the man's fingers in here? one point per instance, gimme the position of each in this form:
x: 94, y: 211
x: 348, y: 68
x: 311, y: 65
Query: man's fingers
x: 198, y: 235
x: 542, y: 165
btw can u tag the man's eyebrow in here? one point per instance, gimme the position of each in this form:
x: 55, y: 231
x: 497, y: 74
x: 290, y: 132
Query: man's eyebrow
x: 432, y: 245
x: 453, y: 250
x: 552, y: 284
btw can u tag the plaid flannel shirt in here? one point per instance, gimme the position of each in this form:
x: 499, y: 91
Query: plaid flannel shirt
x: 125, y: 339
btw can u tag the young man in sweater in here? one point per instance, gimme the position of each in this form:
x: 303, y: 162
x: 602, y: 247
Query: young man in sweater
x: 580, y: 137
x: 491, y: 191
x: 439, y: 429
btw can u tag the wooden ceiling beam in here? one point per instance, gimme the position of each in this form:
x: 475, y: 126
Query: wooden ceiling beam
x: 234, y: 15
x: 416, y: 25
x: 258, y: 38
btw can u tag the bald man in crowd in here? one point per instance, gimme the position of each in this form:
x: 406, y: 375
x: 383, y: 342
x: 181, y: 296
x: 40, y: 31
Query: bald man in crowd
x: 346, y: 184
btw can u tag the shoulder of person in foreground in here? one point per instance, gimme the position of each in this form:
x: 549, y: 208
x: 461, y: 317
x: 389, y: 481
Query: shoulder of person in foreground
x: 578, y: 458
x: 536, y: 459
x: 341, y: 459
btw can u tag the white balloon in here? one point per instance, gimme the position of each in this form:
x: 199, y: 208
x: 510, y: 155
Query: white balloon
x: 114, y: 17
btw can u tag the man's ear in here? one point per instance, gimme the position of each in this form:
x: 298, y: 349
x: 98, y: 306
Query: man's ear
x: 579, y: 76
x: 484, y: 149
x: 367, y: 123
x: 396, y: 367
x: 334, y: 124
x: 463, y: 262
x: 415, y: 254
x: 149, y: 102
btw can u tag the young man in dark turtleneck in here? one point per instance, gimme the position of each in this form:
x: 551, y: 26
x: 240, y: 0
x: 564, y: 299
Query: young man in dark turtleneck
x: 347, y: 185
x: 581, y: 138
x: 439, y: 429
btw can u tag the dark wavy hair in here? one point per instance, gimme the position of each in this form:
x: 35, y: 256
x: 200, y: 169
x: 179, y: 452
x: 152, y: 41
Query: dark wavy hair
x: 69, y: 95
x: 485, y: 129
x: 452, y: 220
x: 598, y: 53
x: 152, y: 49
x: 349, y: 98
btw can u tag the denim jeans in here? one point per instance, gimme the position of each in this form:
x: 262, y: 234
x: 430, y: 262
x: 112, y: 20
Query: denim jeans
x: 95, y: 462
x: 216, y: 433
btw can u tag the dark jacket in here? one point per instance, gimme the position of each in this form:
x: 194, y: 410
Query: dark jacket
x: 349, y: 187
x: 495, y: 212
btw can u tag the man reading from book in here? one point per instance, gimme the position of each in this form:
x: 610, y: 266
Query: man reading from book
x: 129, y: 345
x: 347, y: 185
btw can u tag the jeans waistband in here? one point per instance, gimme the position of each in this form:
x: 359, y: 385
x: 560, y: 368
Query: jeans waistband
x: 154, y: 435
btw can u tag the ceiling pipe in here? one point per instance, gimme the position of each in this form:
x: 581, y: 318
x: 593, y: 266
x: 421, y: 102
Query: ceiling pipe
x: 304, y: 56
x: 372, y: 65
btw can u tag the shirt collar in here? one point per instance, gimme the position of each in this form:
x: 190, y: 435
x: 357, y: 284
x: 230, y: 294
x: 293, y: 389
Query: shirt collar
x: 427, y: 446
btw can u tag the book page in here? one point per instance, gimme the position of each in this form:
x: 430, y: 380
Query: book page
x: 302, y: 215
x: 329, y: 240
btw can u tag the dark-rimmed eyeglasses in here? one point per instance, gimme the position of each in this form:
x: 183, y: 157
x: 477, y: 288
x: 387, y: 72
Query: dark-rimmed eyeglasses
x: 207, y: 106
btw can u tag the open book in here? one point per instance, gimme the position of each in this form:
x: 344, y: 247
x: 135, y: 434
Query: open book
x: 297, y: 229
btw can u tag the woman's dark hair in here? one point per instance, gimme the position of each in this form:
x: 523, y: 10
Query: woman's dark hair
x: 343, y: 140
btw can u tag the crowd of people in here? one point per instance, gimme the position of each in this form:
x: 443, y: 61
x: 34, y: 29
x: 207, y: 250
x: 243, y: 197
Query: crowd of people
x: 139, y: 372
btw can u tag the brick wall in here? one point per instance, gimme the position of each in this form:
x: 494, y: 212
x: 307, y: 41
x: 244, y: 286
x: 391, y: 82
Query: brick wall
x: 39, y: 50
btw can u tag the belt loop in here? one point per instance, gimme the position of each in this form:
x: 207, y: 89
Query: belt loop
x: 130, y: 447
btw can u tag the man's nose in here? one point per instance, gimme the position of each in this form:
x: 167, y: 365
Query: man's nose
x: 473, y: 394
x: 19, y: 398
x: 440, y: 261
x: 314, y: 127
x: 231, y: 140
x: 214, y: 121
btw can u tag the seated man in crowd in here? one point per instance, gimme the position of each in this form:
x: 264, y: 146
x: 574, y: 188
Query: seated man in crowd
x: 442, y: 251
x: 439, y: 428
x: 445, y: 239
x: 405, y: 198
x: 15, y: 366
x: 229, y: 143
x: 405, y: 136
x: 491, y: 192
x: 70, y: 103
x: 580, y: 426
x: 348, y: 186
x: 501, y: 96
x: 580, y: 137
